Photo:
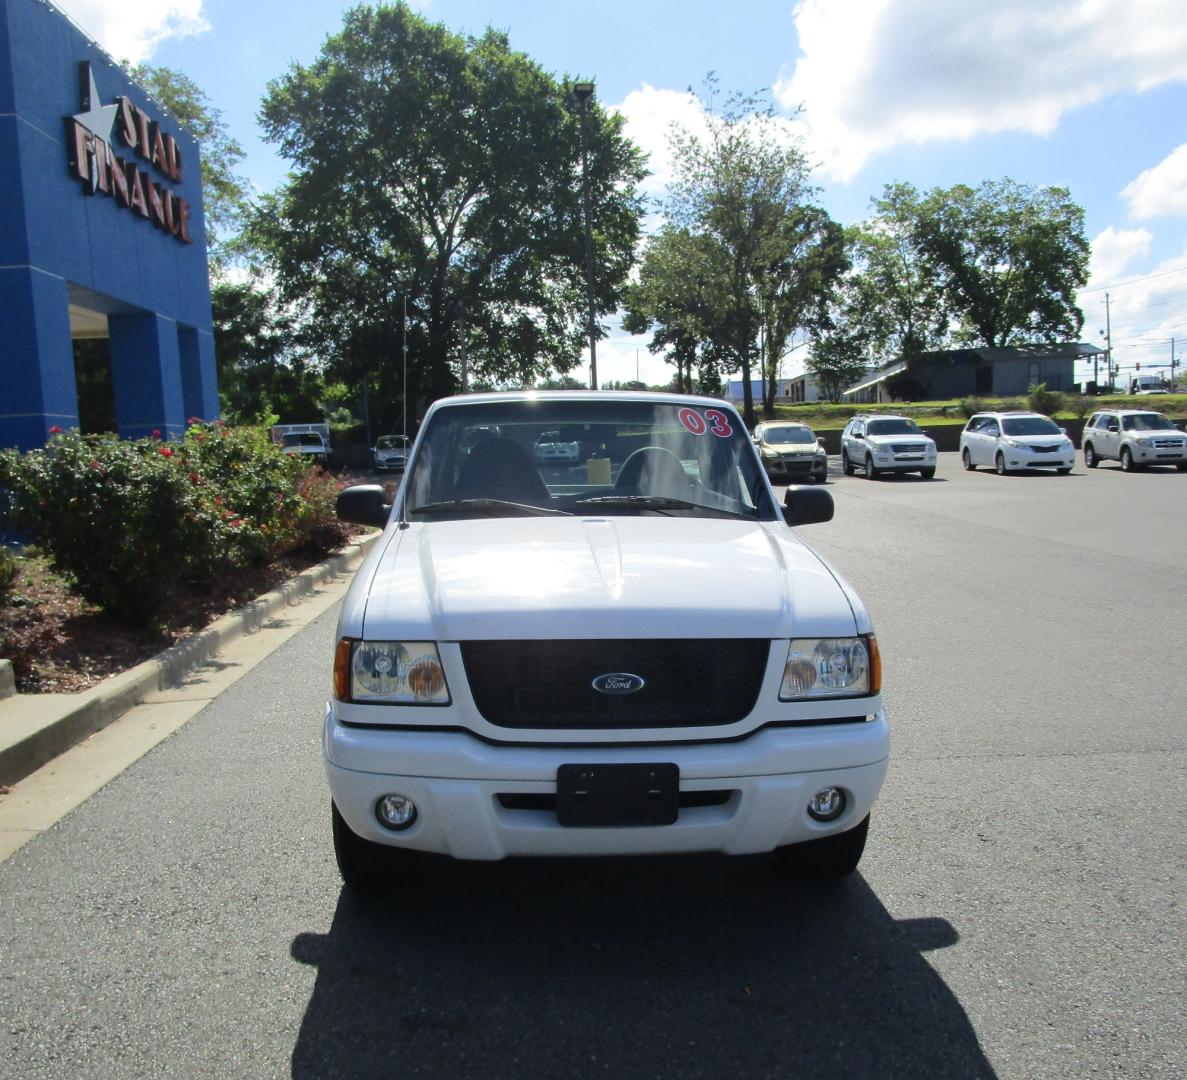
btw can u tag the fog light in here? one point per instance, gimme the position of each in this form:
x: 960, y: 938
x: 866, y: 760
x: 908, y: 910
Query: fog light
x: 827, y: 804
x: 395, y: 812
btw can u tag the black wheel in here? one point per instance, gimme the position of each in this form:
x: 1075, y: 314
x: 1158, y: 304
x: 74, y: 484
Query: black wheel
x: 1091, y: 461
x: 1181, y: 466
x: 871, y: 472
x: 847, y: 466
x: 830, y: 857
x: 999, y: 463
x: 927, y: 474
x: 967, y: 460
x: 365, y: 867
x: 1063, y: 472
x: 1127, y: 462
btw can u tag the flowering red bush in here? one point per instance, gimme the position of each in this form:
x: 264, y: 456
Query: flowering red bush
x: 130, y: 520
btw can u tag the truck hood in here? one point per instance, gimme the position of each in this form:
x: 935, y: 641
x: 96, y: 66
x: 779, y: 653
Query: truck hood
x: 893, y: 440
x: 622, y: 577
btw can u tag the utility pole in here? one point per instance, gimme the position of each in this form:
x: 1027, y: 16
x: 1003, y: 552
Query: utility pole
x: 583, y: 91
x: 460, y: 310
x: 1108, y: 343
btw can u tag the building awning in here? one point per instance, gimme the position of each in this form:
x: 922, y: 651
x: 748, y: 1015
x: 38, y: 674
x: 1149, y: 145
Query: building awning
x: 882, y: 376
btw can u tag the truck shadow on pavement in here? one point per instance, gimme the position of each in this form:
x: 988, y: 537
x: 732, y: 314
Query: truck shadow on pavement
x: 688, y: 966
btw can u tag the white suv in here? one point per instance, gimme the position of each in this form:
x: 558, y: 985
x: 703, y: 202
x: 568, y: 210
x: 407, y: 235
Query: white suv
x: 1009, y: 441
x: 1135, y: 437
x: 635, y: 655
x: 882, y: 444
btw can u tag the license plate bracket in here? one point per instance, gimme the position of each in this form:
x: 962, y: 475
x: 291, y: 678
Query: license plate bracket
x: 617, y: 795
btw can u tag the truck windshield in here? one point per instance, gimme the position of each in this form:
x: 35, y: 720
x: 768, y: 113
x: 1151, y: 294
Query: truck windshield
x: 597, y: 457
x: 893, y: 427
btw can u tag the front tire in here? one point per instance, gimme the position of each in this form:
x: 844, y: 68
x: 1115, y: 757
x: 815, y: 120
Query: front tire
x: 365, y: 866
x: 829, y: 857
x: 999, y: 464
x: 966, y: 460
x: 929, y: 473
x: 847, y: 466
x: 1127, y: 462
x: 871, y: 472
x: 1091, y: 461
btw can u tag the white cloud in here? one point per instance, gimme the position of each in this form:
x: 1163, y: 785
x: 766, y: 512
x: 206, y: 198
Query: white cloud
x: 1161, y: 190
x: 649, y: 115
x: 1113, y: 250
x: 878, y: 73
x: 132, y: 29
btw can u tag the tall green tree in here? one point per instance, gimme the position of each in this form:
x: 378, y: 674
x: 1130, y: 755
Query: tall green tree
x: 680, y: 296
x: 1010, y: 258
x: 260, y: 368
x: 226, y: 195
x: 441, y: 174
x: 842, y: 342
x: 902, y: 290
x: 743, y: 186
x: 808, y: 256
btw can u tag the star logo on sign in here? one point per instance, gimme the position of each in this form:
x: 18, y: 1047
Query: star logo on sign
x: 98, y: 119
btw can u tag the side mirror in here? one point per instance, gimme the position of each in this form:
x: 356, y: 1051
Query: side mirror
x: 819, y: 440
x: 804, y: 505
x: 858, y: 435
x: 363, y: 505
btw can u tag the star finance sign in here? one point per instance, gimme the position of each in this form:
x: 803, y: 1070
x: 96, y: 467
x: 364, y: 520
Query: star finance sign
x: 90, y: 138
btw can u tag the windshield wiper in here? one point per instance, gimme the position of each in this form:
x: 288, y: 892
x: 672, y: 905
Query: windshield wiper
x: 660, y: 503
x: 498, y: 506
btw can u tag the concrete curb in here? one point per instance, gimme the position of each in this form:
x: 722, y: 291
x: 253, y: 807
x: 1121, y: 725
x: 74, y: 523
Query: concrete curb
x: 39, y: 727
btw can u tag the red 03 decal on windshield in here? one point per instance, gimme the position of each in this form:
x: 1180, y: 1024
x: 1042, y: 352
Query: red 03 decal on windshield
x: 713, y: 420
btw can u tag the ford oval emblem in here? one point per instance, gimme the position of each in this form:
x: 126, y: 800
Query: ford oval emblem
x: 618, y: 682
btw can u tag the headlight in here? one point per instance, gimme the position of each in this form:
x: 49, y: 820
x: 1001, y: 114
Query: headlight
x: 830, y: 668
x: 389, y: 672
x: 1014, y: 443
x: 1145, y: 442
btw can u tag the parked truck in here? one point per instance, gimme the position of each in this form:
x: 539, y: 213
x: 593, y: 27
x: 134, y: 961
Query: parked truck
x: 306, y: 440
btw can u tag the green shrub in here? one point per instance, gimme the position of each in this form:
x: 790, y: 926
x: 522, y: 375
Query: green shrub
x: 970, y: 406
x: 118, y: 517
x: 1041, y: 400
x: 7, y: 572
x: 132, y: 522
x: 1079, y: 405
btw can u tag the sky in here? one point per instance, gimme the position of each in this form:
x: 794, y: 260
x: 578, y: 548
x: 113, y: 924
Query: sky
x: 1090, y: 95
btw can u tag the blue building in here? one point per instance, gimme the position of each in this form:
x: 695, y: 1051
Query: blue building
x: 101, y: 236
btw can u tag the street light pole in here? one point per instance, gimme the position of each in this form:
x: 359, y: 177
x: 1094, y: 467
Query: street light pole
x: 583, y: 91
x: 404, y: 393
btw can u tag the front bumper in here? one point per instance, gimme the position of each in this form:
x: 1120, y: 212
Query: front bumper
x: 456, y: 781
x: 790, y: 468
x: 1159, y: 455
x: 904, y: 462
x: 1024, y: 460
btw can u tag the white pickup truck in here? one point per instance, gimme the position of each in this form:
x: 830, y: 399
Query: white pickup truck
x: 636, y: 656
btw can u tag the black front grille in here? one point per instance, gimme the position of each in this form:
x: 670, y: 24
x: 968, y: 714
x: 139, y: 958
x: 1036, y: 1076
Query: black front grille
x: 909, y: 448
x: 1044, y: 449
x: 549, y: 684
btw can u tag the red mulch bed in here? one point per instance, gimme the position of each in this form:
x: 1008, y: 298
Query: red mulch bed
x: 60, y: 643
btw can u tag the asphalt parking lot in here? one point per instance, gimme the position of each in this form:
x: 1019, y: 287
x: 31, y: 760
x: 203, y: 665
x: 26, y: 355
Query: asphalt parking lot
x: 1031, y: 628
x: 1018, y: 912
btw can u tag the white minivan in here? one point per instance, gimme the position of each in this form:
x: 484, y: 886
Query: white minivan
x: 1014, y: 441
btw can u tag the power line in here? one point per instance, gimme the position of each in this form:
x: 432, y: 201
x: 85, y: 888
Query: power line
x: 1135, y: 281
